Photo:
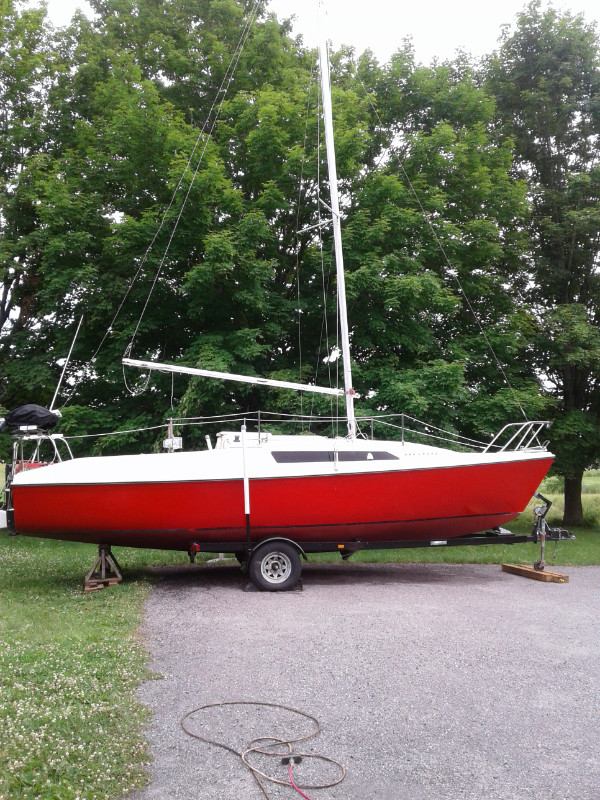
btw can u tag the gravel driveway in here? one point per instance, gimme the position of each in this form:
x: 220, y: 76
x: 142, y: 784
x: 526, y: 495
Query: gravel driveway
x: 431, y: 682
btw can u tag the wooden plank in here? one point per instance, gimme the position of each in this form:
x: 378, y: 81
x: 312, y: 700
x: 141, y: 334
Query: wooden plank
x: 545, y: 575
x: 94, y: 585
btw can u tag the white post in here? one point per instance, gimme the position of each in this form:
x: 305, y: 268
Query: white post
x: 246, y: 486
x: 246, y: 482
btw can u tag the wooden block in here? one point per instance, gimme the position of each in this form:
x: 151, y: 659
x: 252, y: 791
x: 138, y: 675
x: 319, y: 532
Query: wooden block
x: 95, y: 584
x: 545, y: 575
x: 92, y: 587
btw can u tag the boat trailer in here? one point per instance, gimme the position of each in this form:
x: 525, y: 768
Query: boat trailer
x: 274, y: 564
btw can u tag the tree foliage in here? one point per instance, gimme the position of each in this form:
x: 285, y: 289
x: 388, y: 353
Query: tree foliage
x: 28, y: 67
x: 546, y: 78
x: 162, y: 168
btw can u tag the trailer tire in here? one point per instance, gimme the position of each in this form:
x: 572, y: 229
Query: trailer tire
x: 275, y: 567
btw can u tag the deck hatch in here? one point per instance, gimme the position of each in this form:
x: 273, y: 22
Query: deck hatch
x: 320, y: 456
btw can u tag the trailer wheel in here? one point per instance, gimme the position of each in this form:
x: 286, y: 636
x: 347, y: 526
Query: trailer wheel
x: 275, y: 567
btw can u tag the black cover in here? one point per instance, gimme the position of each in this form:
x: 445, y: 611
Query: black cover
x: 30, y: 414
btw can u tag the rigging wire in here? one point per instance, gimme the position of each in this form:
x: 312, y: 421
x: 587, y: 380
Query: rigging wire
x: 223, y: 89
x: 446, y: 259
x: 64, y: 369
x: 222, y: 92
x: 325, y: 280
x: 206, y: 132
x: 318, y: 227
x: 114, y: 433
x: 297, y: 247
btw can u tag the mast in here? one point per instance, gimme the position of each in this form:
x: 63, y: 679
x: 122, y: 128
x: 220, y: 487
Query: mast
x: 337, y: 231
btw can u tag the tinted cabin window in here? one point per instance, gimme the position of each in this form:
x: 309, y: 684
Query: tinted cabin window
x: 319, y: 456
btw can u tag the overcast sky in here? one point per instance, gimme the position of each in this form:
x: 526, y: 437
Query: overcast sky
x: 438, y: 27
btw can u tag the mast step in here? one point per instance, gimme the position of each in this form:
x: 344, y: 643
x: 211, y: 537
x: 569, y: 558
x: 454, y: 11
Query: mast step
x: 526, y: 571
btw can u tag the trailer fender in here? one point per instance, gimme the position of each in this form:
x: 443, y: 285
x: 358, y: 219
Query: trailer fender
x: 279, y: 539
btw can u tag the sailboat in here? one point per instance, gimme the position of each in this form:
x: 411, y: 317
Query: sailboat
x: 269, y: 498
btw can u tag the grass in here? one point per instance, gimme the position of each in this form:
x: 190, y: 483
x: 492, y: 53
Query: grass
x: 591, y: 482
x: 70, y: 724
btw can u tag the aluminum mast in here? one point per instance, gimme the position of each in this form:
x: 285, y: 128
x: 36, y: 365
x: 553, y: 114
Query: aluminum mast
x: 337, y: 231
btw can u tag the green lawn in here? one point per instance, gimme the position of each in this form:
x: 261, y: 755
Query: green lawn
x: 70, y: 725
x: 591, y: 482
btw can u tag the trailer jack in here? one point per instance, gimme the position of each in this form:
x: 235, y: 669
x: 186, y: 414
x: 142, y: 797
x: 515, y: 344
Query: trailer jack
x: 542, y: 532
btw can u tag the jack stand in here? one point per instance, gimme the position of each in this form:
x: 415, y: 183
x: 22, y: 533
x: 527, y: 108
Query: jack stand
x: 541, y: 532
x: 539, y: 565
x: 105, y: 572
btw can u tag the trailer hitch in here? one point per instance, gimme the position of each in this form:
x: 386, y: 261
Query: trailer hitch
x: 542, y: 532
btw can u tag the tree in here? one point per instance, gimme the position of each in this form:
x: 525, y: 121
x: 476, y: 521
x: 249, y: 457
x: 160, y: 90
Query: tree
x: 127, y: 114
x: 123, y: 113
x: 438, y: 174
x: 28, y: 66
x: 546, y: 80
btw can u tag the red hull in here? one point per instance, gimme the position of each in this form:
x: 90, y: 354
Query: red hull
x: 424, y: 504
